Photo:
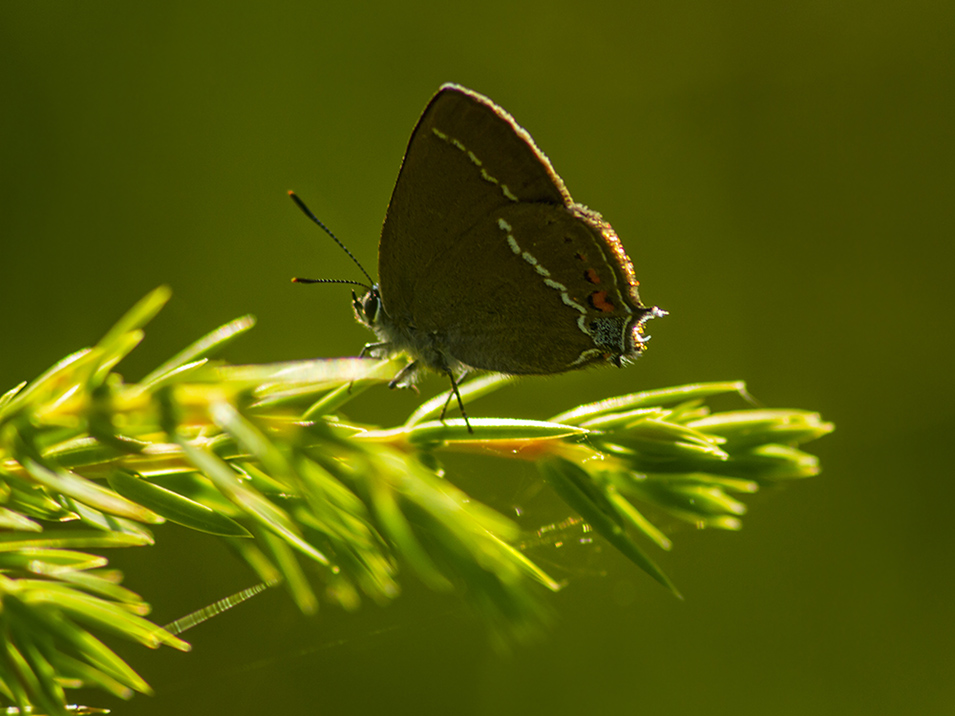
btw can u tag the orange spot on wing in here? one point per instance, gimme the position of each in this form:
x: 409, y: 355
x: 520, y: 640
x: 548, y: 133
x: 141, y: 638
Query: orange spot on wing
x: 598, y: 299
x: 592, y: 275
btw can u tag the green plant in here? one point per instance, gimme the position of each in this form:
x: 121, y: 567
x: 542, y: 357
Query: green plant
x: 259, y: 456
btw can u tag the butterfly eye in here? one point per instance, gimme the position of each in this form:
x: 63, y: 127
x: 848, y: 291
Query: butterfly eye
x: 370, y: 305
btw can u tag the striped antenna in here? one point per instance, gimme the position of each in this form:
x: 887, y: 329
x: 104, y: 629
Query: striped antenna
x: 308, y: 212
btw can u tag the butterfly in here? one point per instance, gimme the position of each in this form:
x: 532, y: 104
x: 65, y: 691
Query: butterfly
x: 487, y: 263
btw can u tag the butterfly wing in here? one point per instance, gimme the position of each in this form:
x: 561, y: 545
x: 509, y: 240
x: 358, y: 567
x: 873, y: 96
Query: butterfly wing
x: 532, y: 289
x: 448, y: 183
x: 484, y: 254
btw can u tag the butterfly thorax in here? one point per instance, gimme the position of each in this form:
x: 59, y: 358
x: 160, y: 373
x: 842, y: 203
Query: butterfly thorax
x: 427, y: 349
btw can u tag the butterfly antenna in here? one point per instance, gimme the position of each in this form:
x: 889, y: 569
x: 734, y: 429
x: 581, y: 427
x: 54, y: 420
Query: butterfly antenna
x: 330, y: 280
x: 308, y: 212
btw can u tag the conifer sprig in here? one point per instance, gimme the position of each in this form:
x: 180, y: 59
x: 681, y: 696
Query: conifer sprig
x: 262, y: 456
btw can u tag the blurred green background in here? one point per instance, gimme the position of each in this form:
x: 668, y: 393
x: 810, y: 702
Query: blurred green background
x: 783, y: 176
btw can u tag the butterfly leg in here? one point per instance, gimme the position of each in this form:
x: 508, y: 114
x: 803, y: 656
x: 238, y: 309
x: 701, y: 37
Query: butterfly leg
x: 405, y: 377
x: 370, y: 350
x: 456, y: 394
x: 375, y: 350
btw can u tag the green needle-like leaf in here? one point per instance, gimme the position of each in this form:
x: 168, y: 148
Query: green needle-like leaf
x: 175, y: 507
x: 569, y: 481
x: 195, y: 354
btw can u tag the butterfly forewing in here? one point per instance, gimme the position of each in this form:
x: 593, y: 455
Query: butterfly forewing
x: 465, y: 158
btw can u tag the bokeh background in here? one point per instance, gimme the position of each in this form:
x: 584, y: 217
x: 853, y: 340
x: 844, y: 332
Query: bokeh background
x: 783, y: 175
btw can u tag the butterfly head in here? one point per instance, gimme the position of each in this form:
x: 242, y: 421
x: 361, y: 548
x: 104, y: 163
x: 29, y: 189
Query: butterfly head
x: 368, y: 307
